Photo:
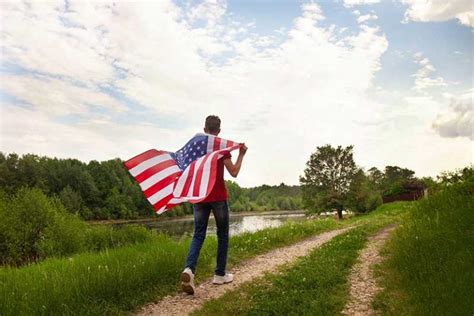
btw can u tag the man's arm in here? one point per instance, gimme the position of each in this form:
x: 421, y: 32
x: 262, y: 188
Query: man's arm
x: 235, y: 168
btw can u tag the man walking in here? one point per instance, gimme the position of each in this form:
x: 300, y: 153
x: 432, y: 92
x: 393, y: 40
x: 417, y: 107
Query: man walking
x: 216, y: 202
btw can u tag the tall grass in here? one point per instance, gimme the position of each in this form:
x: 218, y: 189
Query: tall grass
x: 430, y: 260
x: 119, y: 280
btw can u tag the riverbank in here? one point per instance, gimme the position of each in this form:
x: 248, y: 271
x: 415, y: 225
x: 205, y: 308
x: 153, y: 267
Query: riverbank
x: 121, y: 280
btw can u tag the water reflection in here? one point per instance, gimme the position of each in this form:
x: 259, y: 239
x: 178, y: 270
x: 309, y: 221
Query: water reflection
x: 238, y: 224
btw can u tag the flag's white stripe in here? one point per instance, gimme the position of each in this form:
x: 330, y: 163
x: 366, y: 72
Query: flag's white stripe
x: 210, y: 143
x: 181, y: 181
x: 158, y: 177
x: 149, y: 163
x: 198, y: 163
x: 223, y: 144
x: 205, y: 176
x: 158, y: 196
x: 176, y: 200
x: 161, y: 210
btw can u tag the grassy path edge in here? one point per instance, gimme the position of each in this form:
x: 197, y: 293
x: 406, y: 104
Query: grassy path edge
x: 183, y: 304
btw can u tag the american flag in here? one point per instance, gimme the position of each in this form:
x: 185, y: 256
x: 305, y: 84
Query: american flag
x: 188, y: 175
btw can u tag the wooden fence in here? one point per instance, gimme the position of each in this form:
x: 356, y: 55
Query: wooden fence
x: 409, y: 196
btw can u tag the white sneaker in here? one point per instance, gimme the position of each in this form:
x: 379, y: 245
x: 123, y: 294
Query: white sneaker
x: 227, y: 278
x: 187, y: 281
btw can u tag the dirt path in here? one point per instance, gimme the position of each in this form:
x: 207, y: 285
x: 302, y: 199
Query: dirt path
x: 183, y: 304
x: 362, y: 281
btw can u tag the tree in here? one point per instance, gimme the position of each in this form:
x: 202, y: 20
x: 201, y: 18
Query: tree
x: 363, y: 195
x: 327, y: 178
x: 71, y: 200
x: 376, y: 177
x: 395, y: 178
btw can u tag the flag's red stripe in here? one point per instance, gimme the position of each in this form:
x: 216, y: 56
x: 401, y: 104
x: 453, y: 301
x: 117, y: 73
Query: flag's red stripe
x: 187, y: 184
x: 161, y: 184
x: 212, y: 175
x: 197, y: 181
x: 155, y: 169
x: 162, y: 202
x: 135, y: 161
x: 217, y: 144
x: 170, y: 206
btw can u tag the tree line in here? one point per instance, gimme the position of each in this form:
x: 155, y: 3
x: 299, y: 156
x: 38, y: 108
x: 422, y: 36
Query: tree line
x: 105, y: 190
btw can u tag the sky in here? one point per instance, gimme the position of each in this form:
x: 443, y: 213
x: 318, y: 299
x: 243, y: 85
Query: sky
x: 99, y: 80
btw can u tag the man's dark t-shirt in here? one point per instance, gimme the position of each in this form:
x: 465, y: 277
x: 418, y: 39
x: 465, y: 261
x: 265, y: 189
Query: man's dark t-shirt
x: 219, y: 191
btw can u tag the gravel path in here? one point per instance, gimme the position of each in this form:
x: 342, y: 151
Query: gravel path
x: 183, y: 304
x: 361, y: 279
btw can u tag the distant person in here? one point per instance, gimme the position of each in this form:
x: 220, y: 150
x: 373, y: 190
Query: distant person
x: 216, y: 202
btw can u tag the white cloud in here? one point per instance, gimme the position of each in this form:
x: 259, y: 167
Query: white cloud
x: 152, y: 53
x: 440, y: 10
x: 423, y: 77
x: 34, y: 36
x: 58, y: 97
x: 366, y: 17
x: 351, y: 3
x: 210, y: 11
x: 458, y: 120
x: 26, y: 130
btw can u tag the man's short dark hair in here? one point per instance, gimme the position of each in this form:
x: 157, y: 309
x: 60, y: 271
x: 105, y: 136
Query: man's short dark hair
x: 213, y: 124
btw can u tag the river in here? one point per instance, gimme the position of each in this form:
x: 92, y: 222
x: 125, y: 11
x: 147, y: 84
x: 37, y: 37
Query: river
x: 239, y: 223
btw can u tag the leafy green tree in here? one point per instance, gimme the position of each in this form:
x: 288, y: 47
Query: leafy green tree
x: 363, y: 195
x: 119, y: 205
x: 376, y: 177
x: 395, y: 178
x: 71, y: 200
x: 327, y: 178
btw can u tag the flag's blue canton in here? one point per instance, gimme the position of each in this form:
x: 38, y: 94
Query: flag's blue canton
x: 195, y: 148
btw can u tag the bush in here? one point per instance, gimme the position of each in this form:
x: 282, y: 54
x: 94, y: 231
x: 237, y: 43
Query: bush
x: 34, y: 227
x: 64, y: 235
x: 29, y: 219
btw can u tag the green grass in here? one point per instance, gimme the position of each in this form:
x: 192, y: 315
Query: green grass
x: 429, y: 266
x: 122, y: 279
x: 119, y: 280
x: 315, y: 285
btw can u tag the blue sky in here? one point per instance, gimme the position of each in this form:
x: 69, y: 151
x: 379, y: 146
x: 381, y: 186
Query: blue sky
x: 113, y: 79
x: 438, y: 40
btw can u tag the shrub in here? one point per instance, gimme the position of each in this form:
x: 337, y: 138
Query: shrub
x: 34, y: 227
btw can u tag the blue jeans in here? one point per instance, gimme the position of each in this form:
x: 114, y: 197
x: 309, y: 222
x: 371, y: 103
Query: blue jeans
x: 201, y: 219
